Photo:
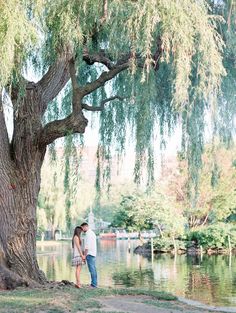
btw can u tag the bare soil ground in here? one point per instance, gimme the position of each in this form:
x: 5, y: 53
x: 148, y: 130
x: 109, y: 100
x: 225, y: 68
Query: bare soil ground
x: 144, y: 304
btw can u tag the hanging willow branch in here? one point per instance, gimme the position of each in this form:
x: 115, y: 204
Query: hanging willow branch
x: 138, y: 34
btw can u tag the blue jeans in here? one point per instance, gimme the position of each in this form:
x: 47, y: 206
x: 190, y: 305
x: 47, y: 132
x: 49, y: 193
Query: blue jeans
x: 92, y: 269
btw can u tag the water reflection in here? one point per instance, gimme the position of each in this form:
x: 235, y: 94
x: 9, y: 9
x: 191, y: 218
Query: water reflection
x: 134, y: 278
x: 209, y: 279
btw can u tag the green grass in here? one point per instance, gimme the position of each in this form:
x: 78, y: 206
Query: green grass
x: 88, y: 304
x: 158, y: 295
x: 164, y: 305
x: 64, y: 299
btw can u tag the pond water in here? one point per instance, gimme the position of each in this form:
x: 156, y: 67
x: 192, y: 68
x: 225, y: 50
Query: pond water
x: 210, y: 279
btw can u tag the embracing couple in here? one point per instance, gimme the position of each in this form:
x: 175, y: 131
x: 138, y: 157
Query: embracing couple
x: 86, y: 254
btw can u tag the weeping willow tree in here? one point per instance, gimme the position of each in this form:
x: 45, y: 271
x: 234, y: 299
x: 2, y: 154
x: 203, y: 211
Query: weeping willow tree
x: 142, y: 64
x: 219, y: 109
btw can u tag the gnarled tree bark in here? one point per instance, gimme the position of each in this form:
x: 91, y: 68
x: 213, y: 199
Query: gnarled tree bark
x: 20, y: 165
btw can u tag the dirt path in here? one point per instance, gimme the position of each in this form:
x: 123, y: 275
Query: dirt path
x: 142, y: 304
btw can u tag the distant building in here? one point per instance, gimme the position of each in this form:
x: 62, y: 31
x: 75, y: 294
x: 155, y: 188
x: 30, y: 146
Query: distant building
x: 91, y: 221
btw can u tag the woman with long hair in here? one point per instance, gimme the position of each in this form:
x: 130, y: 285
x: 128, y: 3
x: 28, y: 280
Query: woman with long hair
x: 78, y: 258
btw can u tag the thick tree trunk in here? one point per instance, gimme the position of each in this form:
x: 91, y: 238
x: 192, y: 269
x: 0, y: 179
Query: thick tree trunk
x: 18, y: 223
x: 20, y: 168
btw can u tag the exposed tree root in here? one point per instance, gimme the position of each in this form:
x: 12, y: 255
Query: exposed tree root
x: 10, y: 280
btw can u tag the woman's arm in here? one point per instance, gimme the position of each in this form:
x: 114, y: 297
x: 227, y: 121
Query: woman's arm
x: 76, y: 239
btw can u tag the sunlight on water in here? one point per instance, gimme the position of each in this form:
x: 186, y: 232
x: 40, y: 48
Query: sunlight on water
x: 211, y: 280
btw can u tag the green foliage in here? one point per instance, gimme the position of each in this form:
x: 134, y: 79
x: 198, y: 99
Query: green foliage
x: 190, y: 70
x: 184, y: 32
x: 105, y: 211
x: 158, y: 295
x: 17, y: 35
x: 146, y: 211
x: 214, y: 236
x: 125, y: 217
x: 167, y: 244
x: 213, y: 203
x: 185, y: 28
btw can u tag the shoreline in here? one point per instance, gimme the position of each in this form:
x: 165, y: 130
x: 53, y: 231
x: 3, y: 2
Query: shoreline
x: 146, y: 252
x: 200, y: 305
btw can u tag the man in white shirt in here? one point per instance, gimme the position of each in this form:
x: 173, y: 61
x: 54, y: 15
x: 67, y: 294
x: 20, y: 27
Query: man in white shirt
x: 90, y: 246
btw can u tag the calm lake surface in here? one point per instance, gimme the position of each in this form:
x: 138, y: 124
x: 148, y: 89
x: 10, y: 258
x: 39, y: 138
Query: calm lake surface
x: 210, y: 279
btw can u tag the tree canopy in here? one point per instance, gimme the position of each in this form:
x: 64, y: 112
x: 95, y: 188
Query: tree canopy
x: 146, y: 66
x: 163, y: 58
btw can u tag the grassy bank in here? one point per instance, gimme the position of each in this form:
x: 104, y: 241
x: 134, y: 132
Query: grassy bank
x: 65, y: 299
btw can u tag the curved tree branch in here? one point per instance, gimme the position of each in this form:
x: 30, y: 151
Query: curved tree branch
x: 99, y: 57
x: 70, y: 125
x: 76, y: 94
x: 75, y: 122
x: 103, y: 78
x: 102, y: 104
x: 55, y: 79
